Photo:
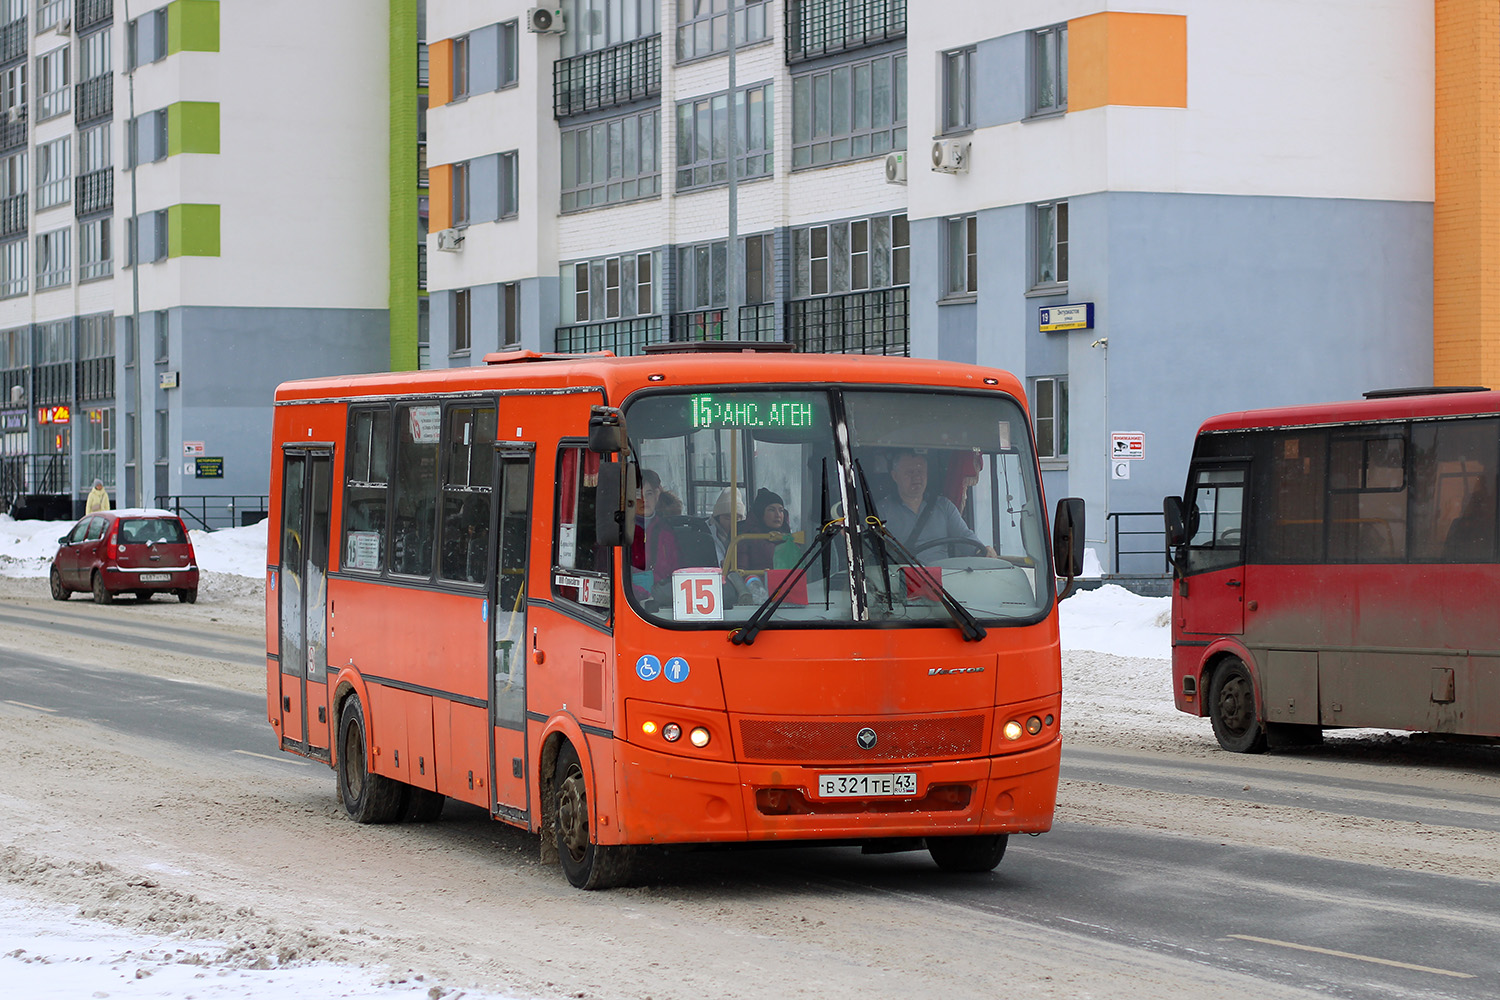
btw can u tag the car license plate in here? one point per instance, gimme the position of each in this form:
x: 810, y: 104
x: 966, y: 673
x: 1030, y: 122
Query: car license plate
x: 155, y: 577
x: 862, y: 786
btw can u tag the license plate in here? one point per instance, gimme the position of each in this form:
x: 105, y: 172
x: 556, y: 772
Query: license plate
x: 155, y: 577
x: 864, y: 786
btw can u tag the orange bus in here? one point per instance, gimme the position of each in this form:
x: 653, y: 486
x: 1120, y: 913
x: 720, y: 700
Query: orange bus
x: 682, y: 598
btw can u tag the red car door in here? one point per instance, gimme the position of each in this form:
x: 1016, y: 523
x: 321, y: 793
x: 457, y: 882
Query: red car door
x: 67, y: 553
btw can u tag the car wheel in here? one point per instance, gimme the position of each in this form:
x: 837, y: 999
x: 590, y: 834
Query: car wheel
x: 59, y: 592
x: 101, y: 593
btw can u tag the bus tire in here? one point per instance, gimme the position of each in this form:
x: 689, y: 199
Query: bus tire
x: 421, y: 805
x: 588, y: 865
x: 367, y: 797
x: 1231, y: 707
x: 969, y: 853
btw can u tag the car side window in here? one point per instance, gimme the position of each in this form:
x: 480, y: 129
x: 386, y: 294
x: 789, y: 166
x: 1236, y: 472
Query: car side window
x: 96, y: 529
x: 76, y: 535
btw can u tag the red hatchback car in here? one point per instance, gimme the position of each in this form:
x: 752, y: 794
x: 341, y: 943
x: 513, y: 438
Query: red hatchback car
x: 126, y: 551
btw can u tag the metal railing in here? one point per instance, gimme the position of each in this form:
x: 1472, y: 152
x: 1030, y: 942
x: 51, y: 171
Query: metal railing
x: 52, y: 383
x: 12, y: 133
x: 88, y: 13
x: 94, y: 191
x: 630, y: 71
x: 1142, y: 540
x: 873, y: 322
x: 96, y: 379
x: 816, y: 28
x: 757, y: 322
x: 13, y: 216
x: 622, y: 336
x: 13, y: 37
x: 212, y: 512
x: 95, y: 99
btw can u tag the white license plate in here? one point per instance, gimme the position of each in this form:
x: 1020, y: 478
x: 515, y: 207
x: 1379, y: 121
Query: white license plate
x: 155, y: 577
x: 864, y: 786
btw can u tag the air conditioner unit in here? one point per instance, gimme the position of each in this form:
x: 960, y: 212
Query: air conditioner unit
x: 450, y: 239
x: 16, y: 113
x: 546, y: 21
x: 895, y: 167
x: 65, y: 26
x: 950, y: 156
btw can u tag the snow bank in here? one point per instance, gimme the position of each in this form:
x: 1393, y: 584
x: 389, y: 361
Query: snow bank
x: 1113, y: 620
x: 26, y: 548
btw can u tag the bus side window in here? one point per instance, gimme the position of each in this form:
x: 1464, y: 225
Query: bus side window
x: 366, y: 486
x: 469, y: 463
x: 414, y: 528
x: 1218, y: 505
x: 582, y: 569
x: 1367, y: 497
x: 1455, y: 464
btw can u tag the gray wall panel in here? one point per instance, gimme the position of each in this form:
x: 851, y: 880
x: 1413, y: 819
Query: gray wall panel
x: 484, y: 59
x: 1000, y: 80
x: 957, y: 334
x: 484, y: 188
x: 484, y: 322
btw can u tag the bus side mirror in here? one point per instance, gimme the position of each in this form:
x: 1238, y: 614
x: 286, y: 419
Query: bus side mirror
x: 1171, y: 508
x: 1067, y: 538
x: 606, y: 430
x: 614, y: 511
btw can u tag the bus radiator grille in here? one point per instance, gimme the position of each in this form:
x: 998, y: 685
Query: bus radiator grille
x: 775, y: 740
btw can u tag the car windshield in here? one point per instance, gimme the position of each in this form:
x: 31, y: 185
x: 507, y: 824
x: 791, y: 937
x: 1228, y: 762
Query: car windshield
x: 737, y: 485
x: 141, y: 530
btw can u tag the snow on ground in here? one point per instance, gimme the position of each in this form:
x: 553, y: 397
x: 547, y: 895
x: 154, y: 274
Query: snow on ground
x: 1116, y: 676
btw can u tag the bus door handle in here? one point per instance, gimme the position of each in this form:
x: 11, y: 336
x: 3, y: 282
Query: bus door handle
x: 1233, y: 583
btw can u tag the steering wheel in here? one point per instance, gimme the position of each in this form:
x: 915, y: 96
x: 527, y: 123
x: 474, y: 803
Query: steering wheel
x: 973, y: 543
x: 1230, y: 536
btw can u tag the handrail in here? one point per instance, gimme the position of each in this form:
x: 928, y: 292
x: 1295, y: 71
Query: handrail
x: 1156, y: 531
x: 213, y: 511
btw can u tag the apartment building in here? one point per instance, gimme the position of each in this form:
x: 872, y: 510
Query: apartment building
x: 190, y: 213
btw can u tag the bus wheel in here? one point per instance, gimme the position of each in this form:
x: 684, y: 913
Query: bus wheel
x: 367, y: 798
x: 588, y: 865
x: 968, y: 854
x: 1231, y: 706
x: 422, y: 806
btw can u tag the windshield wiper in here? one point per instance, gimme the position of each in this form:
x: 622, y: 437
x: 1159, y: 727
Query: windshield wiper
x: 966, y: 622
x: 745, y: 634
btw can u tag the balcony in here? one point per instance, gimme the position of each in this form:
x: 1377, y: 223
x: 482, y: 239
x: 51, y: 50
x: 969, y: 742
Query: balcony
x: 816, y: 28
x: 757, y: 322
x: 607, y: 78
x: 52, y: 384
x: 95, y: 99
x: 12, y: 133
x: 873, y: 322
x: 623, y: 336
x: 13, y: 216
x: 88, y: 13
x: 96, y: 379
x: 13, y: 41
x: 94, y: 191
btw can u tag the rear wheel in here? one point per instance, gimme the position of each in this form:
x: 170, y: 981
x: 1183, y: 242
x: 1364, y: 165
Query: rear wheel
x: 968, y: 854
x: 143, y: 595
x: 59, y: 592
x: 367, y: 797
x: 421, y: 805
x: 101, y: 593
x: 188, y: 595
x: 1231, y: 707
x: 588, y: 865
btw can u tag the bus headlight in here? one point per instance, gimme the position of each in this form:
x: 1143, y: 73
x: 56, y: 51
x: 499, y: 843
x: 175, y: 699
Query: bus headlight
x: 671, y: 732
x: 1012, y: 730
x: 698, y: 737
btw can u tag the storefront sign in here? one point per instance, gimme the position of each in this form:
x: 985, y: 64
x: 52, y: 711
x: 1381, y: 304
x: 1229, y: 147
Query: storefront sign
x: 53, y: 415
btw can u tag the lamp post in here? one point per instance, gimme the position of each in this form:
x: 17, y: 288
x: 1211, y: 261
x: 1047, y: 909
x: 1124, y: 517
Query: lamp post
x: 137, y: 498
x: 732, y: 288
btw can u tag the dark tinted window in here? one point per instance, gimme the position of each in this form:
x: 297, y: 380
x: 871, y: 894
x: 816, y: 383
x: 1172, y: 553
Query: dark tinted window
x: 366, y: 489
x: 1367, y: 495
x: 469, y: 446
x: 96, y: 529
x: 1289, y: 496
x: 1454, y: 470
x: 137, y: 531
x: 415, y: 500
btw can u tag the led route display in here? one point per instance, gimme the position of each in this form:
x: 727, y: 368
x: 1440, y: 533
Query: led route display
x: 709, y: 411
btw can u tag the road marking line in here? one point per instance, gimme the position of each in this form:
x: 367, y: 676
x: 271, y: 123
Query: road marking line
x: 1358, y: 958
x: 37, y: 708
x: 279, y: 760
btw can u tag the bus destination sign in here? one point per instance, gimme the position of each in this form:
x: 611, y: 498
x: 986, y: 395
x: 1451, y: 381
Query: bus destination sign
x: 711, y: 412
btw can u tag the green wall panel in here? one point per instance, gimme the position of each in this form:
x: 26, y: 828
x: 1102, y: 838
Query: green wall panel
x: 192, y: 26
x: 192, y: 127
x: 193, y: 231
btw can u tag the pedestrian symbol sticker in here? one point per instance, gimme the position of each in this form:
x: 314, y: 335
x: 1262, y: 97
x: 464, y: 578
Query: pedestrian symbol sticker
x: 648, y: 668
x: 677, y: 670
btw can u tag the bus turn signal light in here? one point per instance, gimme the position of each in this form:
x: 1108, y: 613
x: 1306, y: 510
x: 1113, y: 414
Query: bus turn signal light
x: 648, y: 728
x: 698, y: 737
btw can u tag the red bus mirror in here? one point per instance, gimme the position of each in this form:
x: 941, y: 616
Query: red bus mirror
x: 1176, y: 524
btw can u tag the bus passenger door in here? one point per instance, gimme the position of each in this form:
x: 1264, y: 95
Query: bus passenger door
x: 508, y: 647
x: 1213, y: 599
x: 307, y: 492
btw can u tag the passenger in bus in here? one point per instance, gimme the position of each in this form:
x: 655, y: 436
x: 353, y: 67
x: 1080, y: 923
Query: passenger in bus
x: 918, y: 520
x: 768, y: 520
x: 645, y: 516
x: 653, y: 551
x: 728, y: 515
x: 1471, y: 536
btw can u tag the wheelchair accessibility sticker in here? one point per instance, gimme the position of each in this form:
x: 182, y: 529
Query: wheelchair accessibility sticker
x: 648, y: 668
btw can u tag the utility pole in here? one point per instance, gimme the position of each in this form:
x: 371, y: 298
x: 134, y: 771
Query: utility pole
x: 732, y: 291
x: 137, y: 498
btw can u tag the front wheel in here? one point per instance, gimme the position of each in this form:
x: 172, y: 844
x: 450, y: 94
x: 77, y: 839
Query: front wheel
x: 968, y: 854
x: 59, y: 592
x: 586, y: 864
x: 1231, y: 707
x: 367, y: 797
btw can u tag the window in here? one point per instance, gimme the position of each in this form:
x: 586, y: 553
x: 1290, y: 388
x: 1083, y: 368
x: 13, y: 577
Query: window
x: 10, y: 11
x: 13, y: 269
x: 610, y: 161
x: 703, y: 133
x: 132, y: 347
x: 701, y: 276
x: 645, y: 302
x: 13, y: 174
x: 469, y: 461
x: 414, y: 499
x: 1049, y: 408
x: 582, y: 568
x: 961, y: 256
x: 161, y: 323
x: 850, y: 256
x: 56, y: 88
x: 609, y: 288
x: 162, y: 248
x: 94, y: 149
x: 13, y: 88
x: 599, y: 24
x: 367, y: 475
x: 760, y: 269
x: 958, y: 90
x: 1051, y: 244
x: 1049, y: 70
x: 146, y: 137
x: 99, y: 447
x: 510, y: 315
x: 460, y: 206
x: 461, y: 318
x: 1454, y: 473
x: 94, y: 55
x: 53, y: 259
x: 460, y: 67
x: 1367, y: 496
x: 703, y: 26
x: 54, y: 183
x: 508, y: 58
x: 1218, y: 502
x: 163, y: 428
x: 849, y: 111
x: 94, y: 251
x: 49, y: 12
x: 510, y: 200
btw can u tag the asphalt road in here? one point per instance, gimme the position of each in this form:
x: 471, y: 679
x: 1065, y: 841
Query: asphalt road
x: 1341, y: 929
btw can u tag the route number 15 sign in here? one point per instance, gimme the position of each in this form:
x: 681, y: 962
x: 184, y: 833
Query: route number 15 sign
x: 698, y: 594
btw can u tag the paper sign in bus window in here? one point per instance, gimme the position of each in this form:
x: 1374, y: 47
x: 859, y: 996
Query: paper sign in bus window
x: 698, y: 594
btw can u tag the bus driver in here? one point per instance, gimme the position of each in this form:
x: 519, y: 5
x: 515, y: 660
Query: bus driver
x: 919, y: 521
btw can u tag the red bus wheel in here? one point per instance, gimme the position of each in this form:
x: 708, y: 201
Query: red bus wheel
x: 367, y: 798
x: 1231, y: 707
x: 968, y: 854
x: 586, y: 864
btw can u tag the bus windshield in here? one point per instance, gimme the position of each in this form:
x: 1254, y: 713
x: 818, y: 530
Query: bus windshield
x: 923, y: 496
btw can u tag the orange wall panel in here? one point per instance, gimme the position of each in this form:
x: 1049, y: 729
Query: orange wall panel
x: 1128, y: 59
x: 440, y: 73
x: 440, y: 197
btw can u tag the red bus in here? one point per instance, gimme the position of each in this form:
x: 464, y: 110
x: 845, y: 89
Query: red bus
x: 673, y: 599
x: 1335, y: 567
